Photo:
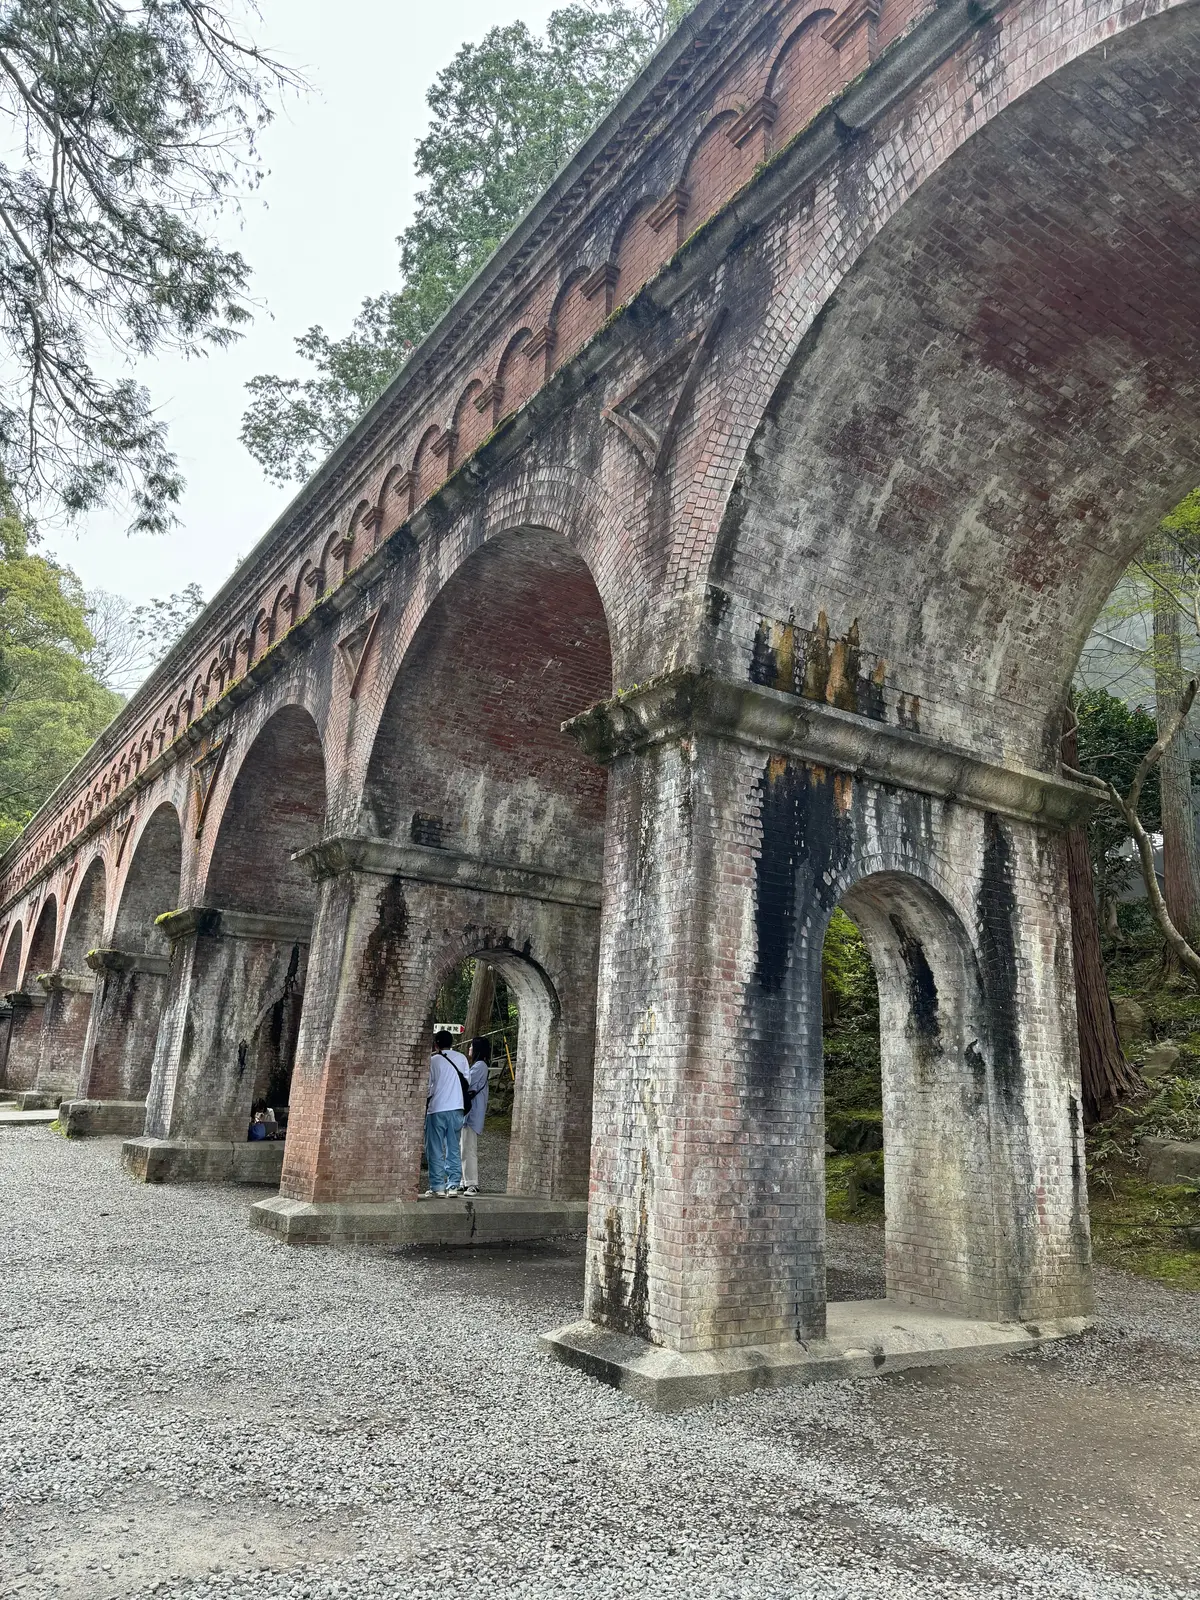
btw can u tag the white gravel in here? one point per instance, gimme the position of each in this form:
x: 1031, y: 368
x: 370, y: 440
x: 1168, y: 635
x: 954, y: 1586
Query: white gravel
x: 191, y: 1409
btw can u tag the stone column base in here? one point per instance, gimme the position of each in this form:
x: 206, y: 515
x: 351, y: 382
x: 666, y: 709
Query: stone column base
x: 864, y: 1338
x: 38, y: 1100
x: 481, y: 1220
x: 203, y: 1161
x: 81, y: 1119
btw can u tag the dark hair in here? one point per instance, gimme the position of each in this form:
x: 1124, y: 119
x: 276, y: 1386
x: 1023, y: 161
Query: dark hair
x: 259, y: 1105
x: 442, y: 1040
x: 481, y: 1048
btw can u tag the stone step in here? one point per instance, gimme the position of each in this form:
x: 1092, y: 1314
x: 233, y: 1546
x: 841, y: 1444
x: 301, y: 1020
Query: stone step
x: 203, y: 1161
x: 82, y: 1119
x: 483, y: 1219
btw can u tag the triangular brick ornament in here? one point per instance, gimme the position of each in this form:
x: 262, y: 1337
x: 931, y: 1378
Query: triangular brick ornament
x: 204, y: 777
x: 68, y: 880
x: 356, y: 647
x: 650, y: 413
x: 121, y: 831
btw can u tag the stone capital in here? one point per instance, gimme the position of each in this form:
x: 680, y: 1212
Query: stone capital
x: 61, y: 982
x: 431, y: 864
x: 694, y: 701
x: 127, y: 961
x: 210, y: 922
x: 19, y: 1000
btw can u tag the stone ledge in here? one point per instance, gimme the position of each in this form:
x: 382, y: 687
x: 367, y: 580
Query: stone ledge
x: 485, y: 1219
x: 693, y: 700
x: 203, y: 1161
x: 81, y: 1119
x: 864, y: 1338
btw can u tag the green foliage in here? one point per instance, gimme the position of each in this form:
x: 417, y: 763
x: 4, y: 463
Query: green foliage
x: 850, y: 1004
x: 51, y: 705
x: 507, y: 113
x: 1112, y: 741
x: 127, y: 124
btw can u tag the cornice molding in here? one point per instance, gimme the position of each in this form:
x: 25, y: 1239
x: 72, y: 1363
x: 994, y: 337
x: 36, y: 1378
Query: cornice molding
x: 694, y: 702
x: 353, y: 853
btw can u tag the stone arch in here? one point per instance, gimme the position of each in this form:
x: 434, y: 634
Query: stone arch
x: 580, y: 307
x: 716, y: 167
x: 274, y: 807
x: 518, y: 375
x: 40, y: 956
x: 395, y: 501
x: 549, y: 1141
x: 641, y: 245
x: 429, y: 467
x: 470, y: 743
x: 990, y: 488
x: 152, y: 883
x: 10, y: 966
x: 945, y: 1244
x: 803, y: 75
x: 85, y: 917
x: 472, y: 421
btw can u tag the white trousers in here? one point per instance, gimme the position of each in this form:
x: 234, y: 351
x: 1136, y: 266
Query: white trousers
x: 469, y: 1146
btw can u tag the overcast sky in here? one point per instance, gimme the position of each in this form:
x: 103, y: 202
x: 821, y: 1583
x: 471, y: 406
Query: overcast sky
x: 319, y: 236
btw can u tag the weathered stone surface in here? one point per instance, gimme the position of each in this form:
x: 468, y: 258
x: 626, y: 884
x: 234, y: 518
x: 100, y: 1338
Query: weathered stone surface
x: 799, y: 432
x: 1130, y: 1018
x: 1171, y: 1160
x: 483, y: 1220
x: 203, y: 1161
x: 1160, y: 1059
x: 864, y: 1339
x: 82, y: 1119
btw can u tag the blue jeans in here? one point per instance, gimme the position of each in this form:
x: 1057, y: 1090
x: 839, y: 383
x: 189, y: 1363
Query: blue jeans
x: 441, y: 1149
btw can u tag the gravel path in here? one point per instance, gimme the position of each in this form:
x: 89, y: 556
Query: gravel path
x: 191, y: 1409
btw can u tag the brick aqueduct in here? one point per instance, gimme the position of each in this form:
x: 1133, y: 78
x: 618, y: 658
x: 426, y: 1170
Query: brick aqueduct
x: 785, y: 452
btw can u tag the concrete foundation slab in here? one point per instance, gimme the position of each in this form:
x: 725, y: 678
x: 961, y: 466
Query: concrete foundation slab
x: 38, y: 1100
x: 864, y: 1338
x: 81, y: 1119
x: 484, y: 1219
x: 203, y: 1161
x: 22, y: 1119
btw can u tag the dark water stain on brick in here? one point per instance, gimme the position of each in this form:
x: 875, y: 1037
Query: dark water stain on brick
x: 388, y: 934
x: 922, y: 989
x: 803, y: 825
x: 996, y: 910
x: 764, y: 664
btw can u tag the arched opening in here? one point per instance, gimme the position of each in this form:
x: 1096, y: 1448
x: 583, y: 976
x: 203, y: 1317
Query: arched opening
x: 494, y: 822
x: 151, y: 884
x: 10, y: 970
x: 70, y: 986
x: 275, y: 808
x: 238, y: 962
x: 508, y: 1000
x: 85, y: 924
x: 131, y: 975
x: 909, y: 1078
x: 41, y: 946
x: 28, y: 1003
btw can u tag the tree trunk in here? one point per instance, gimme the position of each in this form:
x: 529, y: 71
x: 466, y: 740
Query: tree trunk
x: 1107, y: 1076
x: 479, y: 1006
x: 1181, y: 859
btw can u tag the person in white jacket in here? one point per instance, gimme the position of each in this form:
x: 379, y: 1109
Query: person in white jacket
x: 479, y: 1053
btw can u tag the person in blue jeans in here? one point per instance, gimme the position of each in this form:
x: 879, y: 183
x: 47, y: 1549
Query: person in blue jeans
x: 443, y: 1121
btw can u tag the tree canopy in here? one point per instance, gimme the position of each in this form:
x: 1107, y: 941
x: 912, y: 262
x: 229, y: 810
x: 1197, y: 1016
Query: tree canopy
x: 52, y: 706
x: 507, y: 113
x: 128, y: 126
